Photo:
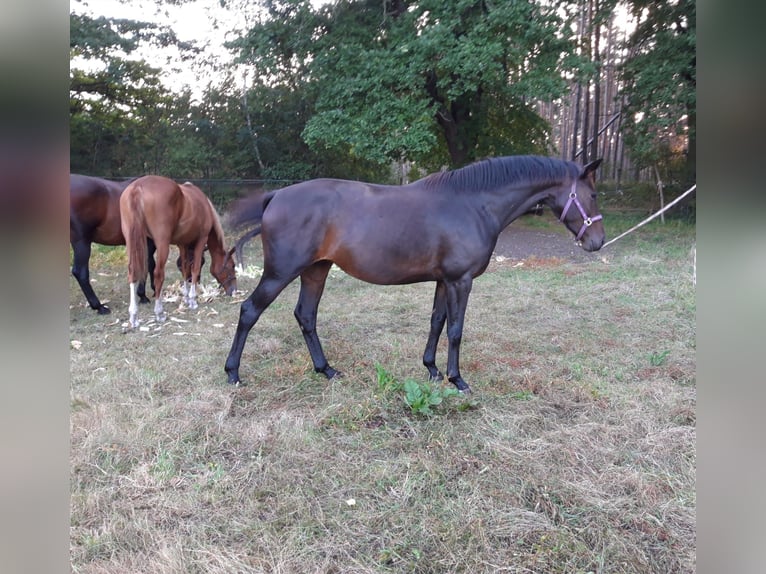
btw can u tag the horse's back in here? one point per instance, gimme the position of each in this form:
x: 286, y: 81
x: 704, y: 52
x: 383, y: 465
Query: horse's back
x: 157, y: 197
x: 94, y: 210
x: 176, y: 213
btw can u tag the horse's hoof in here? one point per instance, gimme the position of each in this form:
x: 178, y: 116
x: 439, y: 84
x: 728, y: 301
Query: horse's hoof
x: 103, y: 310
x: 434, y: 374
x: 461, y: 385
x: 327, y: 371
x: 129, y: 327
x: 143, y: 299
x: 331, y: 373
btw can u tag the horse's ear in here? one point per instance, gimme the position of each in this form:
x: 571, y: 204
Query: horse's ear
x: 231, y: 253
x: 589, y: 170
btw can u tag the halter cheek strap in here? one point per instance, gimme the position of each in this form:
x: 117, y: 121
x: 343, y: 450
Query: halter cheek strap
x: 586, y: 221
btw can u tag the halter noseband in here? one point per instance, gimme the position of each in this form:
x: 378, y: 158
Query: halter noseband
x: 586, y: 221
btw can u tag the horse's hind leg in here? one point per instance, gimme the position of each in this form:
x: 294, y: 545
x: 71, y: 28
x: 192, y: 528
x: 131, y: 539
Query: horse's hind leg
x: 163, y: 249
x: 438, y: 317
x: 312, y: 286
x: 267, y: 290
x: 133, y: 306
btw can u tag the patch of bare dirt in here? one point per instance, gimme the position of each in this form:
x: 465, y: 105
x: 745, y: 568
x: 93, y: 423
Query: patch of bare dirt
x: 520, y: 243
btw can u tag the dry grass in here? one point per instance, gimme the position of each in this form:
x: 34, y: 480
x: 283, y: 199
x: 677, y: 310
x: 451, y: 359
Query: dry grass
x: 578, y: 455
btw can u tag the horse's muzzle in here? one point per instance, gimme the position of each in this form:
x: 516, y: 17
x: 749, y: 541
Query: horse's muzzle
x: 592, y: 243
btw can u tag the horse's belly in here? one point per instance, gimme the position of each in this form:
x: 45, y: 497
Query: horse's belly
x: 382, y: 270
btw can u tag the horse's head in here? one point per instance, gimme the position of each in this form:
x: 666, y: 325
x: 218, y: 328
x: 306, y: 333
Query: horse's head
x: 226, y: 274
x: 575, y: 206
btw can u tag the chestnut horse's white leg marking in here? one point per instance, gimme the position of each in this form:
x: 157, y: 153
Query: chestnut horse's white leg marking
x: 133, y: 307
x: 191, y: 301
x: 159, y: 311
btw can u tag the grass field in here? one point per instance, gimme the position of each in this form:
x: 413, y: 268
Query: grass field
x: 575, y: 453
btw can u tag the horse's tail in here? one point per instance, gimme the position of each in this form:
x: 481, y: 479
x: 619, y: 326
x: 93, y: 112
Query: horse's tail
x: 249, y: 210
x: 241, y: 243
x: 136, y: 243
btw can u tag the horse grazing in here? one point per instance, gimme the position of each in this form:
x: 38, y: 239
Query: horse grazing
x: 159, y: 208
x: 94, y: 217
x: 441, y: 228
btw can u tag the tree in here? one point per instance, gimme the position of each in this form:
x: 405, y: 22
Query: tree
x: 119, y: 108
x: 416, y: 79
x: 661, y: 84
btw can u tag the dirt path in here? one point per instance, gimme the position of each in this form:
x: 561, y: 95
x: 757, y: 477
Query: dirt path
x: 519, y: 242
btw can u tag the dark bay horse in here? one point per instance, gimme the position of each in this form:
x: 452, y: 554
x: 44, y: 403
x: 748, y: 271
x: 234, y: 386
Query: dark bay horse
x: 94, y: 217
x: 169, y: 213
x: 442, y: 228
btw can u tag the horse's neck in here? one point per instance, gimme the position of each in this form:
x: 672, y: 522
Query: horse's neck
x: 215, y: 244
x: 513, y: 201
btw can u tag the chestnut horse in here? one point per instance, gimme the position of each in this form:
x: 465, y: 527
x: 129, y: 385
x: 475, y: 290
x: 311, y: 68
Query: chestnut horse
x: 159, y: 208
x: 442, y: 228
x: 94, y: 217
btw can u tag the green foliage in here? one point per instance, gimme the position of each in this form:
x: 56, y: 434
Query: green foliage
x: 657, y: 359
x: 164, y: 467
x: 661, y: 84
x: 422, y: 80
x: 522, y: 395
x: 421, y: 398
x: 386, y: 381
x: 121, y: 114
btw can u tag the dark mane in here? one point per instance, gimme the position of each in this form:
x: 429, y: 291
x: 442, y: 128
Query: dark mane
x: 499, y: 171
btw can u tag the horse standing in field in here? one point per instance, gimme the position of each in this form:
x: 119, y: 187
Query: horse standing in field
x: 159, y: 208
x: 441, y: 228
x: 94, y: 217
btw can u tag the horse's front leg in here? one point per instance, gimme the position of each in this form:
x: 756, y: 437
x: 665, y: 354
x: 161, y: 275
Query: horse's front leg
x: 81, y: 256
x: 438, y: 317
x: 192, y: 271
x: 184, y: 267
x: 457, y: 301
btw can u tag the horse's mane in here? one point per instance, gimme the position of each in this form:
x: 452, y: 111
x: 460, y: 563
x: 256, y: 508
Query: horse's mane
x: 217, y: 227
x: 500, y: 171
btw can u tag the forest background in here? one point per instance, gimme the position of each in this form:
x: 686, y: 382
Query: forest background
x: 386, y: 90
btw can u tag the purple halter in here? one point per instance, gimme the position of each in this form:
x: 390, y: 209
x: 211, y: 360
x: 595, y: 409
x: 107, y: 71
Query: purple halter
x: 586, y: 221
